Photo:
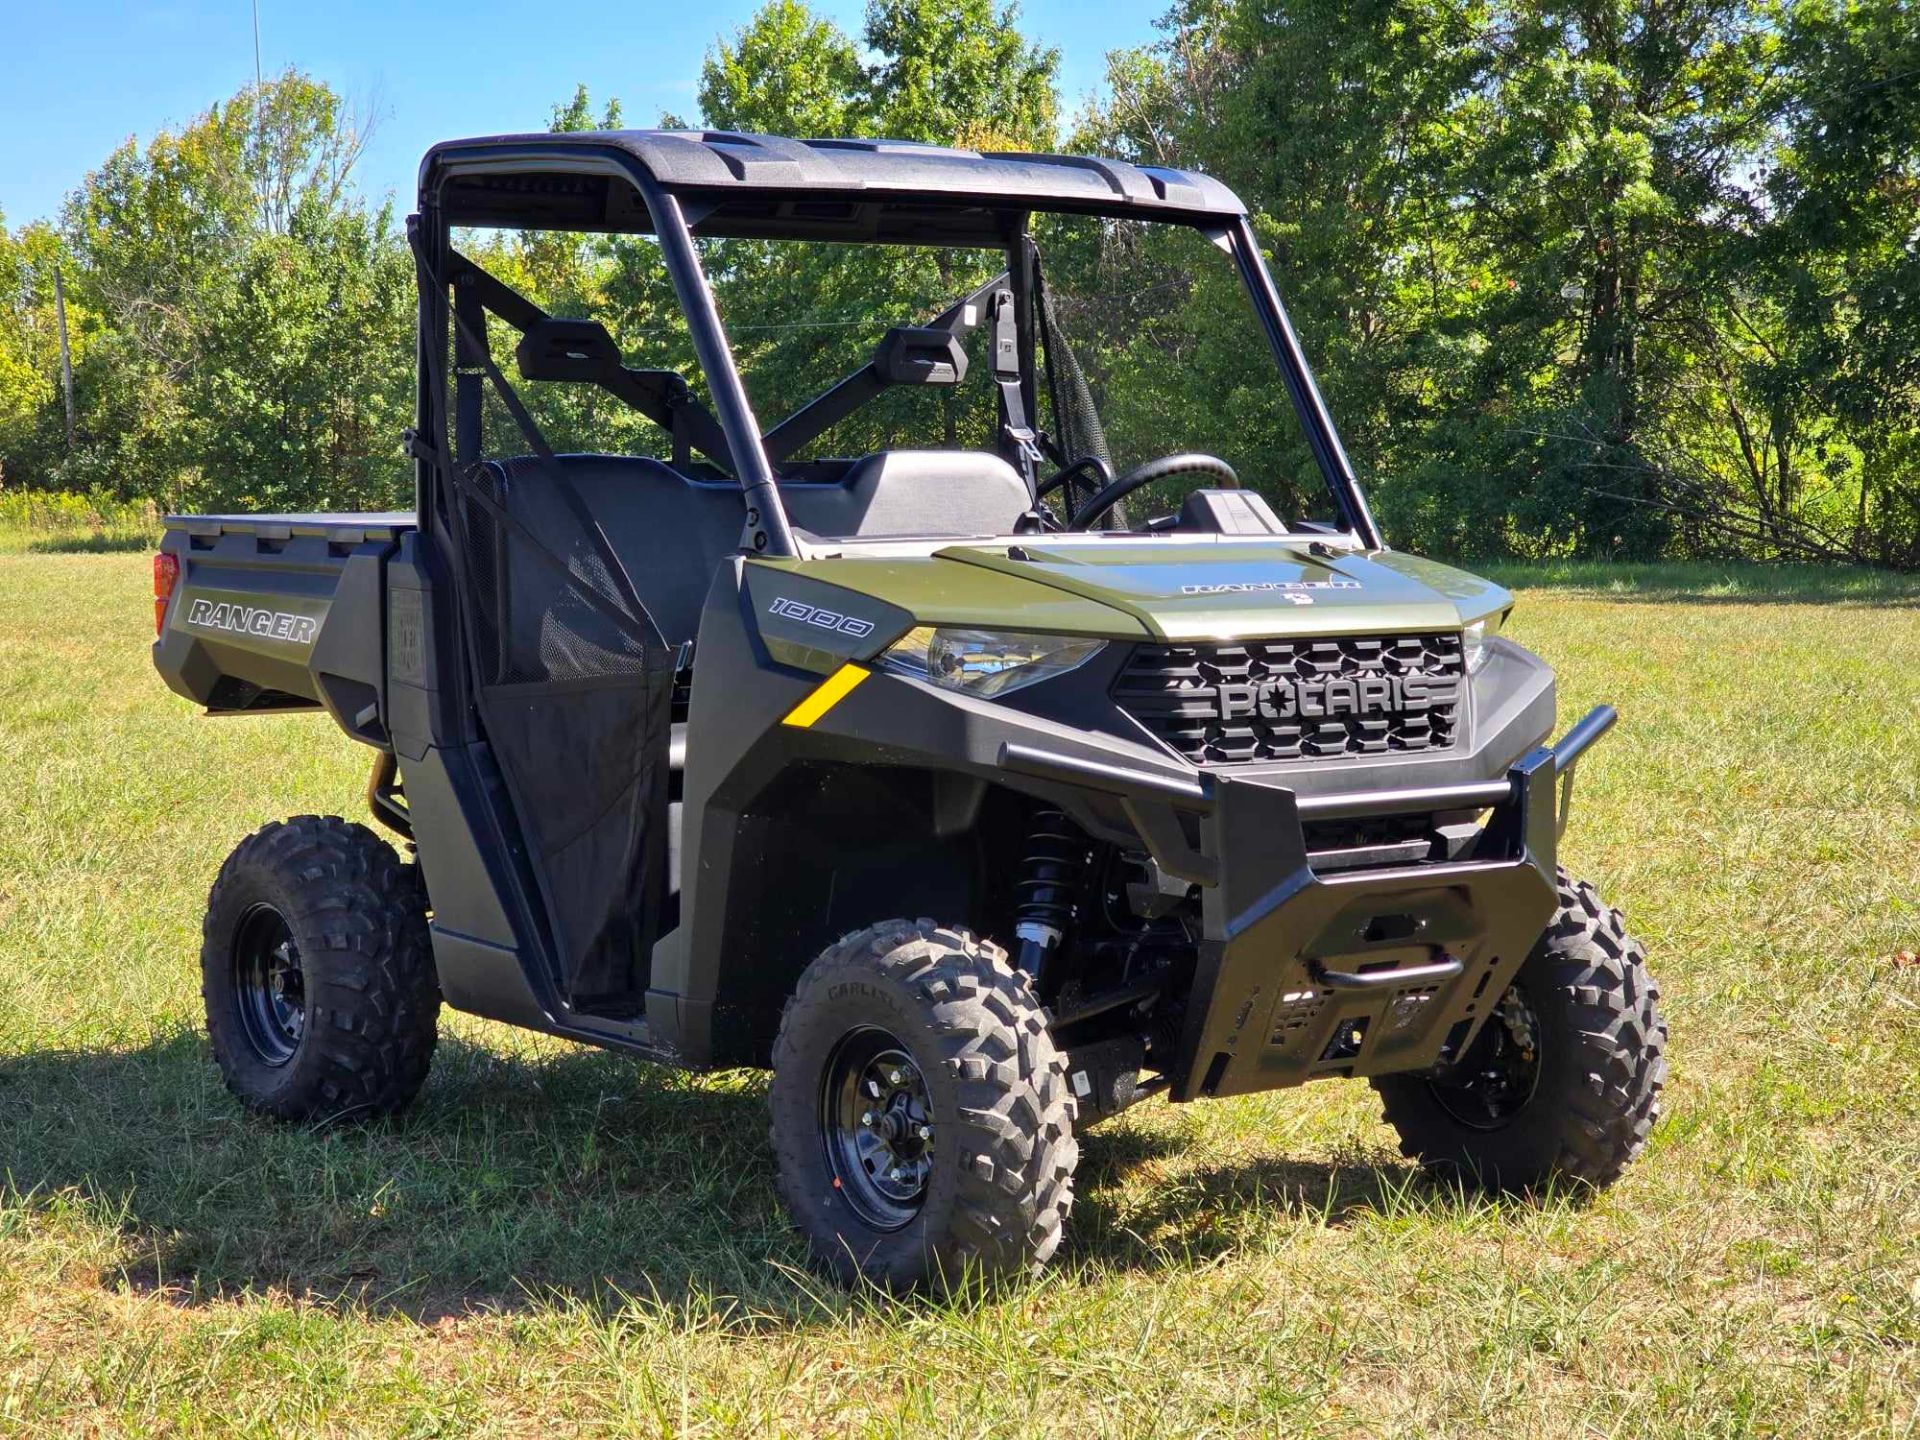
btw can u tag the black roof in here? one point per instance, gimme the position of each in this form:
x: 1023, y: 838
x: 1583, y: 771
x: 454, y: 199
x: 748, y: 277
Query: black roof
x: 764, y: 184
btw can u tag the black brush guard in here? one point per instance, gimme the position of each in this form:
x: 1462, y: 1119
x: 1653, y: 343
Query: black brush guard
x: 1365, y: 972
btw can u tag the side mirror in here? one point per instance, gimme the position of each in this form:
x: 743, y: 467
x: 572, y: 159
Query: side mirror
x: 556, y: 349
x: 909, y: 355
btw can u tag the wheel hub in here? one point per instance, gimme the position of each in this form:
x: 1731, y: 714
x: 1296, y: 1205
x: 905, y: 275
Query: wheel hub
x: 1497, y: 1076
x: 877, y: 1123
x: 269, y: 985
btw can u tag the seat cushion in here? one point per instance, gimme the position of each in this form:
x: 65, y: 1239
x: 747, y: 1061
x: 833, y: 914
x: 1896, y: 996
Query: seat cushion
x: 897, y: 493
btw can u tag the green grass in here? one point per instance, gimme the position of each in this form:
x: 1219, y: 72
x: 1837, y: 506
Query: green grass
x: 556, y: 1241
x: 1731, y: 582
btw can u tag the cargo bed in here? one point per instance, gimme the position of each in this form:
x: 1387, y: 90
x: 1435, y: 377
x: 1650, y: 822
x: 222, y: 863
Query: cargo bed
x: 281, y: 612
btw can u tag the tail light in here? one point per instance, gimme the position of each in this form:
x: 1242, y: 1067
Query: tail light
x: 166, y: 574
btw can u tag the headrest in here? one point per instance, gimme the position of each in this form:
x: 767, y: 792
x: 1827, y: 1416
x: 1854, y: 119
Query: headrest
x: 911, y: 355
x: 557, y: 349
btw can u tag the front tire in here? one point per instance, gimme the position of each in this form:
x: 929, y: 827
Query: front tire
x: 318, y: 974
x: 1563, y: 1080
x: 922, y: 1121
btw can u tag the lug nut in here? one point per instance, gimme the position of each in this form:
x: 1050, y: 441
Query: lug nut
x: 896, y: 1173
x: 895, y: 1077
x: 867, y: 1119
x: 926, y: 1132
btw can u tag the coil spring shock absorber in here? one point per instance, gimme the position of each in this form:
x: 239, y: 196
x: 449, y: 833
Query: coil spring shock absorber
x: 1052, y: 873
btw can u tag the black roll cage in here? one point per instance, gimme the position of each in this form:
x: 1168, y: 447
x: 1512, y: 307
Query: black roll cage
x: 530, y: 167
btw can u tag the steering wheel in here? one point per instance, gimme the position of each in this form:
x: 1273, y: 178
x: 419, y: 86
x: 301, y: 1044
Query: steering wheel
x: 1090, y: 469
x: 1084, y: 476
x: 1165, y: 468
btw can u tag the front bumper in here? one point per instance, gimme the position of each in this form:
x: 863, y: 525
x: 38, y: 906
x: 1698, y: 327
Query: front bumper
x: 1363, y: 972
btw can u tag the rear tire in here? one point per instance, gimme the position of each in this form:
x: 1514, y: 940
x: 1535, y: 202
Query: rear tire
x: 922, y: 1121
x: 318, y: 974
x: 1576, y: 1103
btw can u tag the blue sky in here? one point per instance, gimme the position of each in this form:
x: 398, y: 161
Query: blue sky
x: 76, y: 79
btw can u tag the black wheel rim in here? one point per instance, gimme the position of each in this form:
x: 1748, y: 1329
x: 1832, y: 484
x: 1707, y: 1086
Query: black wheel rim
x: 269, y: 986
x: 877, y: 1124
x: 1497, y: 1077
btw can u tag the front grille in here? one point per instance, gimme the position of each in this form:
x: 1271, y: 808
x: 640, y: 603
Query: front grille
x: 1307, y: 699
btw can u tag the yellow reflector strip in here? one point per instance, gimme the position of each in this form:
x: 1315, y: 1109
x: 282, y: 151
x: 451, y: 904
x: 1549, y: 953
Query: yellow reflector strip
x: 832, y: 691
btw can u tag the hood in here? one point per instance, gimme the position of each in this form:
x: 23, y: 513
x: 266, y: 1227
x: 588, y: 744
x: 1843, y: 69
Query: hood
x: 1222, y: 588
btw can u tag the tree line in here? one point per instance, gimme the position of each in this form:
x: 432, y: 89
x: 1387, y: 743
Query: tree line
x: 1630, y: 278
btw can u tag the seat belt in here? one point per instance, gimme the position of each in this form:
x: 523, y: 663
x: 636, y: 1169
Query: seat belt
x: 1015, y: 428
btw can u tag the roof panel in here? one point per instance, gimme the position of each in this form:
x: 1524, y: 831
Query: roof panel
x: 692, y: 159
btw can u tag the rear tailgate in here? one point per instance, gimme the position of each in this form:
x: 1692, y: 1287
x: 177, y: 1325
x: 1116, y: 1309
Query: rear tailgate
x: 280, y: 612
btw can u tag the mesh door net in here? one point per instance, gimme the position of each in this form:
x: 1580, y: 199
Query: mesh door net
x: 573, y: 681
x: 575, y: 689
x: 1077, y: 432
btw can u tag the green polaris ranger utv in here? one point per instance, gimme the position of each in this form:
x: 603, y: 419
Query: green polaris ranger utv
x: 984, y: 745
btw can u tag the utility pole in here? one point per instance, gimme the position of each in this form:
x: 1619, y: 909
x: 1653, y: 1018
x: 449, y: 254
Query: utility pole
x: 66, y: 355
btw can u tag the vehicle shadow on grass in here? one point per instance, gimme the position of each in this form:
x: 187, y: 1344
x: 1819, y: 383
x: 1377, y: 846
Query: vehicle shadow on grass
x: 1191, y: 1216
x: 516, y: 1181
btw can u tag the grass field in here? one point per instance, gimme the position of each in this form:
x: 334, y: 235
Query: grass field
x: 557, y: 1241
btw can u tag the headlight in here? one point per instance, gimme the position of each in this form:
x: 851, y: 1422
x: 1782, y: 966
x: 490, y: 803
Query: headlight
x: 1473, y: 640
x: 985, y: 662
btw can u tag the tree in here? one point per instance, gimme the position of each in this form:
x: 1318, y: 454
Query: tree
x: 1583, y: 277
x: 31, y: 437
x: 577, y: 114
x: 786, y: 72
x: 1836, y: 263
x: 959, y: 72
x: 1612, y: 173
x: 246, y: 313
x: 1590, y: 277
x: 1340, y: 124
x: 948, y: 72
